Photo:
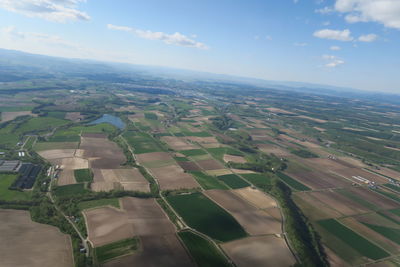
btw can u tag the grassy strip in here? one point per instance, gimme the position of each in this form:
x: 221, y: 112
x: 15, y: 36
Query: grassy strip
x: 233, y: 181
x: 356, y: 241
x: 169, y: 212
x: 292, y: 182
x: 116, y: 249
x: 198, y: 211
x: 203, y: 252
x: 207, y: 181
x: 83, y: 175
x: 99, y: 203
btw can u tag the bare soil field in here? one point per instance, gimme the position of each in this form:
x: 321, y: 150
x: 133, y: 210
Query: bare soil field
x: 253, y: 220
x: 177, y: 143
x: 278, y: 110
x: 350, y: 172
x: 218, y: 172
x: 57, y: 153
x: 165, y: 250
x: 312, y: 119
x: 383, y: 242
x: 27, y: 243
x: 153, y: 156
x: 202, y: 140
x: 66, y: 177
x: 106, y: 225
x: 256, y: 197
x: 333, y: 259
x: 239, y: 171
x: 74, y: 116
x: 10, y: 115
x: 376, y: 219
x: 173, y: 177
x: 259, y: 251
x: 189, y: 166
x: 210, y: 164
x: 101, y: 152
x: 129, y: 179
x: 237, y: 159
x: 375, y: 198
x: 319, y: 180
x: 388, y: 172
x: 339, y: 202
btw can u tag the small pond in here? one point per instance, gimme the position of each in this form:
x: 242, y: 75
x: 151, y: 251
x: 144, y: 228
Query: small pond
x: 107, y: 118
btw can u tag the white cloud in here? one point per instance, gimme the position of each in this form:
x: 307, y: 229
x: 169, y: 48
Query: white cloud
x: 332, y: 61
x: 324, y: 10
x: 368, y: 38
x: 334, y: 48
x: 53, y: 10
x: 338, y: 35
x: 386, y: 12
x: 300, y: 44
x: 171, y: 39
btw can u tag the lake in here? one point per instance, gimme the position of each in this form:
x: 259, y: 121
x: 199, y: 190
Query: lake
x: 107, y: 118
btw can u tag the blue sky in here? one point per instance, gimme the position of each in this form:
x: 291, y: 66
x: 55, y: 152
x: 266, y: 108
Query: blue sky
x: 353, y: 43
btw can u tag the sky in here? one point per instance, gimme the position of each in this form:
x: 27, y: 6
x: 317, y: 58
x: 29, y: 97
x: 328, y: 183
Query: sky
x: 350, y: 43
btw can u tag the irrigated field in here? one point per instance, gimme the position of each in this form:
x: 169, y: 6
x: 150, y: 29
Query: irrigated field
x: 27, y: 243
x: 198, y: 211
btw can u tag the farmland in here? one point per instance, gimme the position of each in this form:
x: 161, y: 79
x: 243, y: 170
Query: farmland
x: 197, y: 210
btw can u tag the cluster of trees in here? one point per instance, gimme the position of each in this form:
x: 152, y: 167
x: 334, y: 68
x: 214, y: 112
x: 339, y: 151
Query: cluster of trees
x: 222, y: 122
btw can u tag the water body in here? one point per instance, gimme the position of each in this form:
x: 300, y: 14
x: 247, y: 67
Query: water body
x: 107, y: 118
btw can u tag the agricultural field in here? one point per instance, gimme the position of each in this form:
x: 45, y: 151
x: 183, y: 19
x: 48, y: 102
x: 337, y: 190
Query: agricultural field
x: 16, y: 226
x: 197, y: 210
x: 233, y: 181
x: 6, y: 180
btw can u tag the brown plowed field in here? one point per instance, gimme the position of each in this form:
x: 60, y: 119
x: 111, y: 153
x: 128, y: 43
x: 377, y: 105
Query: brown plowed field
x: 237, y: 159
x: 333, y: 259
x: 27, y: 243
x: 164, y: 250
x: 10, y: 115
x: 173, y: 177
x: 66, y: 177
x: 256, y: 197
x: 259, y: 251
x: 375, y: 198
x: 388, y: 172
x: 253, y: 220
x: 339, y: 202
x: 189, y: 166
x: 74, y: 116
x: 210, y: 164
x: 350, y: 172
x: 177, y: 143
x: 313, y: 208
x: 319, y: 180
x: 153, y: 156
x: 273, y: 149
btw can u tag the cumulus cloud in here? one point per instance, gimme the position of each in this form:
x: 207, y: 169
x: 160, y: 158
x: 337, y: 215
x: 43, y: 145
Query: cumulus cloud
x: 53, y: 10
x: 332, y: 61
x: 171, y: 39
x: 368, y: 38
x: 338, y: 35
x: 386, y: 12
x: 334, y: 48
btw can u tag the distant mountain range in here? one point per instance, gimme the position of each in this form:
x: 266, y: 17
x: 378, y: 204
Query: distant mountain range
x: 18, y: 66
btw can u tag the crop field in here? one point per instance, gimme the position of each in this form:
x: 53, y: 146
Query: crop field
x: 57, y: 153
x: 44, y: 146
x: 219, y: 152
x: 193, y: 152
x: 252, y: 219
x: 209, y: 164
x: 142, y: 143
x: 207, y: 181
x: 259, y: 180
x: 313, y: 208
x: 292, y: 182
x: 114, y: 202
x: 6, y: 180
x: 19, y: 250
x: 256, y: 198
x: 359, y: 243
x: 189, y: 166
x: 203, y: 252
x: 233, y: 181
x: 319, y: 179
x: 40, y: 124
x: 236, y: 159
x: 178, y: 143
x: 197, y: 211
x: 117, y: 249
x: 10, y: 115
x: 173, y: 177
x: 83, y: 175
x: 153, y: 156
x: 372, y: 197
x: 259, y: 251
x: 70, y: 190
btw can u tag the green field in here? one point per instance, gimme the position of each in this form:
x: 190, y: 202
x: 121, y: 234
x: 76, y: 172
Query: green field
x: 207, y: 181
x: 233, y: 181
x: 388, y: 232
x: 258, y: 179
x: 150, y: 116
x: 198, y: 212
x: 203, y: 252
x: 116, y: 249
x: 8, y: 137
x: 197, y: 134
x: 40, y: 124
x: 142, y: 143
x: 292, y: 182
x: 356, y: 241
x: 393, y: 187
x: 193, y: 152
x: 219, y: 152
x: 99, y: 203
x: 70, y: 190
x: 40, y: 146
x: 6, y: 180
x: 391, y: 195
x: 83, y: 175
